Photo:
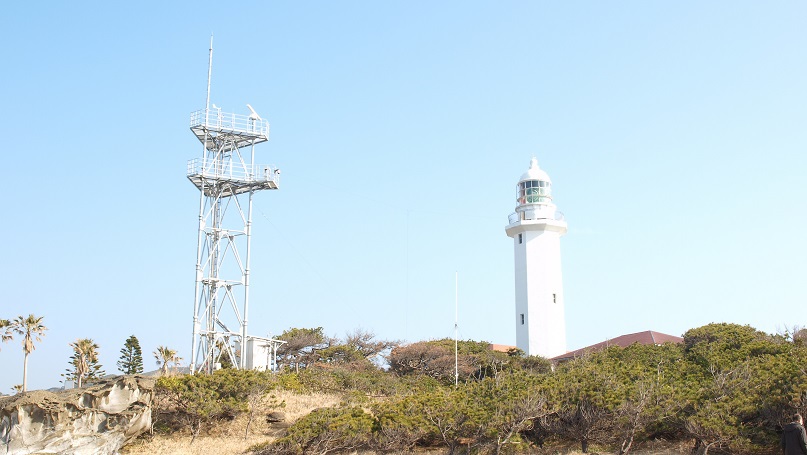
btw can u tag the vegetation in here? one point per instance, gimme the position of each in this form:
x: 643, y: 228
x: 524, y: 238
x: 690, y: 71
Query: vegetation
x: 131, y: 357
x: 165, y: 357
x: 301, y: 347
x: 195, y: 401
x: 475, y: 360
x: 84, y: 366
x: 726, y: 388
x: 31, y: 329
x: 5, y: 330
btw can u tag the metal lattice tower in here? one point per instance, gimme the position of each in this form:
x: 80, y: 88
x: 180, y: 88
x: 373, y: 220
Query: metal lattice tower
x: 227, y: 179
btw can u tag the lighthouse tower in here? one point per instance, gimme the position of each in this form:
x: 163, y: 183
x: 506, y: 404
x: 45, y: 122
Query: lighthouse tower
x: 536, y: 228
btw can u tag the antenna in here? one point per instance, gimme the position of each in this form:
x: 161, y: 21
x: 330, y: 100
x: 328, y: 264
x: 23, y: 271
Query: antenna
x: 254, y: 115
x: 456, y: 327
x: 209, y: 73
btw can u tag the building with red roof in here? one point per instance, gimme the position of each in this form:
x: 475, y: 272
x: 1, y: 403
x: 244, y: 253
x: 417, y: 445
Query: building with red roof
x: 647, y: 338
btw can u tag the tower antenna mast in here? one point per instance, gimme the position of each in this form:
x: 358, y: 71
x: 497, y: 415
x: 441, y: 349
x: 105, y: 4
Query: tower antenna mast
x: 209, y: 72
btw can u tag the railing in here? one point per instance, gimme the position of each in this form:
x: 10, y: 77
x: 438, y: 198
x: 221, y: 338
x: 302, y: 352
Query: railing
x: 214, y: 118
x: 231, y: 170
x: 520, y: 216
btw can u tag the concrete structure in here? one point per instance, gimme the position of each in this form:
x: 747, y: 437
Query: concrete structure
x: 536, y: 228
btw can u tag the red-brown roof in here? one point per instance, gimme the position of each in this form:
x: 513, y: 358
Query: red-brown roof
x: 501, y: 347
x: 647, y: 337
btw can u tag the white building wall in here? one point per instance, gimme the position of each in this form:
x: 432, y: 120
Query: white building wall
x: 257, y: 355
x: 522, y: 312
x: 539, y: 288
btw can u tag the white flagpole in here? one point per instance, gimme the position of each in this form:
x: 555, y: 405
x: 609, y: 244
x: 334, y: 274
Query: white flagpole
x: 456, y: 326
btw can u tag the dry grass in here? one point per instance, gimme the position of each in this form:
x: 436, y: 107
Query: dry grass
x: 647, y: 448
x: 203, y: 445
x: 208, y: 445
x: 228, y: 438
x: 300, y: 405
x: 231, y: 444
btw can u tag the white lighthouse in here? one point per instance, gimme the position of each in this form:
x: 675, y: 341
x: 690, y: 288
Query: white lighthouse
x: 536, y: 227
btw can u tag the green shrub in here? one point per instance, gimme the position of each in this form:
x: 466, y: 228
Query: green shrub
x: 193, y: 401
x: 326, y: 430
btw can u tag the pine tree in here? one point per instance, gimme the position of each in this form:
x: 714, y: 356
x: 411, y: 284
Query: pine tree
x: 131, y: 357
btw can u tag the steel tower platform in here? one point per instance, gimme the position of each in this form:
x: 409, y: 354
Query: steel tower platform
x: 227, y: 179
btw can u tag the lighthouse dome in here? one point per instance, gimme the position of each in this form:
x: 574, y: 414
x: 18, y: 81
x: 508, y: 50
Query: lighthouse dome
x: 535, y: 173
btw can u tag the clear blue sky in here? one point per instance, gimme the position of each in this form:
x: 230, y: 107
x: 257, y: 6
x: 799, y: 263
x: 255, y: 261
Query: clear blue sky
x: 674, y: 133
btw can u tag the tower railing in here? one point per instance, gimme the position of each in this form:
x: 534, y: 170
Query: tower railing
x: 224, y: 121
x: 522, y: 216
x: 233, y: 171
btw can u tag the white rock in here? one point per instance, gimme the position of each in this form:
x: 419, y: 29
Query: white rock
x: 98, y: 419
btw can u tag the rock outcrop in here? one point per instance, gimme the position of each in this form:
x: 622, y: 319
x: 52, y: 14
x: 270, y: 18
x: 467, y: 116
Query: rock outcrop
x: 98, y: 419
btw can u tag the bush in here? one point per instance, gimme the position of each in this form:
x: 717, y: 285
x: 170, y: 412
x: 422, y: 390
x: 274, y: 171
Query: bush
x: 326, y: 430
x: 193, y: 401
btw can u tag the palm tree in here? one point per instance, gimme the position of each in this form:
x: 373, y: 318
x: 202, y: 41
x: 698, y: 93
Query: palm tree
x: 31, y: 329
x: 84, y: 358
x: 5, y: 330
x: 164, y: 356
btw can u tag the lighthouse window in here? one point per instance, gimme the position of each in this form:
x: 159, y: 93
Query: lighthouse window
x: 520, y: 239
x: 554, y: 298
x: 533, y: 191
x: 522, y: 318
